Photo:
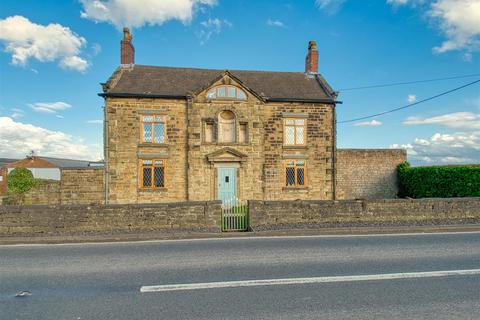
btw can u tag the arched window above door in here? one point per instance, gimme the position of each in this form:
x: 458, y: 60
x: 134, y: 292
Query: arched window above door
x: 226, y: 126
x: 226, y: 92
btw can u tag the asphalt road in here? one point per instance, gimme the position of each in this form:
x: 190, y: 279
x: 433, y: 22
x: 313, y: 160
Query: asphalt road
x: 103, y: 281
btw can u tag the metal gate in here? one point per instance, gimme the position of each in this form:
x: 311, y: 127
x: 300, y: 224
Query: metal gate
x: 234, y: 215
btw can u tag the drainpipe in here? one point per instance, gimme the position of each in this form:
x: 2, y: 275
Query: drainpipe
x: 334, y: 152
x: 187, y: 144
x: 105, y: 148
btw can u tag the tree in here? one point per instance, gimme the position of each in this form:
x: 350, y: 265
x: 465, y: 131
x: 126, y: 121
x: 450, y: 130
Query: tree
x: 20, y: 180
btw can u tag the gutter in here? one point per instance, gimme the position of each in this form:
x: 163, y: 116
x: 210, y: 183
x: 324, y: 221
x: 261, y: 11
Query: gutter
x: 186, y: 97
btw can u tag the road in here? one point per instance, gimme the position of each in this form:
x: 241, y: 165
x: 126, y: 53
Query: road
x: 103, y: 281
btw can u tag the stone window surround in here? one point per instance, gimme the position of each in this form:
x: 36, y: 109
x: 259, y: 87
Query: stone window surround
x: 140, y: 176
x: 305, y: 173
x: 214, y: 121
x: 295, y: 116
x: 158, y: 112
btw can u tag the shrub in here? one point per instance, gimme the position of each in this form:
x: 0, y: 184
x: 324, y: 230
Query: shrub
x: 438, y: 181
x: 20, y: 180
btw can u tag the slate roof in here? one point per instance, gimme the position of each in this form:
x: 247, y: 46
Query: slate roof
x: 70, y: 163
x: 150, y: 81
x: 49, y: 162
x: 5, y: 161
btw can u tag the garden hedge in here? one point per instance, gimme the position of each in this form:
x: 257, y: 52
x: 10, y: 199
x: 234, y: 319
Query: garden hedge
x: 438, y: 181
x: 20, y: 180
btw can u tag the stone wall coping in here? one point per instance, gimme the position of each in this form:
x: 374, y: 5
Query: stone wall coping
x: 83, y: 168
x: 134, y: 205
x: 372, y: 150
x: 267, y: 202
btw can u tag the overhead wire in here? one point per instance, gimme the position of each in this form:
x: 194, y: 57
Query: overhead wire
x: 411, y: 104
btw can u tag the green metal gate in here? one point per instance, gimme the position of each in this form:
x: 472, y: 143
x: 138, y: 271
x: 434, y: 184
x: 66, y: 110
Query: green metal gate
x: 234, y: 215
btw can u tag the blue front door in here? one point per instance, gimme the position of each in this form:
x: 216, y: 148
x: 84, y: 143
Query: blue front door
x: 227, y: 183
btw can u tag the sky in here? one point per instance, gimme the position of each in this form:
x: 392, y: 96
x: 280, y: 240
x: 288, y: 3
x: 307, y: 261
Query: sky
x: 55, y: 53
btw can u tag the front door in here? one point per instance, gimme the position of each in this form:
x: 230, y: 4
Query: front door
x: 227, y: 184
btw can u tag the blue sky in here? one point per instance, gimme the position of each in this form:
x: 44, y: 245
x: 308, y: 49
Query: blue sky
x: 54, y: 54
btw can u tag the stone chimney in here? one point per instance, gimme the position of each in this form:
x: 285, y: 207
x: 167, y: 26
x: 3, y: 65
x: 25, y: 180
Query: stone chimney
x: 311, y: 61
x: 127, y: 51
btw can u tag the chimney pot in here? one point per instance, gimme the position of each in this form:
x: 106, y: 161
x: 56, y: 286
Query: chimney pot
x: 311, y: 61
x: 127, y: 51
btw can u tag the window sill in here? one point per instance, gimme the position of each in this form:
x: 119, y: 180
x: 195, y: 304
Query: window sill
x: 226, y: 143
x: 154, y: 145
x: 295, y: 188
x: 152, y: 190
x: 295, y: 147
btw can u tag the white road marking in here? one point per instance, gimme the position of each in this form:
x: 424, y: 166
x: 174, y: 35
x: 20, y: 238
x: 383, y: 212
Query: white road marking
x: 277, y: 282
x: 261, y: 237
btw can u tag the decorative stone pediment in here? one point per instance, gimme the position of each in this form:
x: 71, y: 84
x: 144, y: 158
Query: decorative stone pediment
x: 226, y: 155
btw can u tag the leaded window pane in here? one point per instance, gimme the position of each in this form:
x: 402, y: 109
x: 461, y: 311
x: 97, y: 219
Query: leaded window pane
x: 241, y: 94
x: 147, y: 132
x: 147, y: 177
x: 158, y: 162
x: 159, y: 133
x: 147, y: 162
x: 289, y: 135
x: 290, y: 121
x: 300, y: 135
x: 300, y: 176
x: 212, y: 94
x: 231, y: 92
x: 147, y: 118
x: 159, y: 177
x: 290, y: 176
x: 300, y: 122
x: 221, y: 92
x: 159, y: 118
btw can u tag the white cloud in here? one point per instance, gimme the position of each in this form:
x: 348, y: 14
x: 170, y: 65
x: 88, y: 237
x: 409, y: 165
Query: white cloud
x: 18, y: 139
x: 210, y: 27
x: 275, y: 23
x: 330, y: 6
x: 460, y: 120
x: 95, y: 121
x: 458, y: 20
x: 59, y: 116
x: 411, y: 98
x: 456, y: 148
x: 96, y: 49
x: 135, y: 14
x: 373, y: 123
x: 49, y: 107
x: 26, y: 40
x: 17, y: 113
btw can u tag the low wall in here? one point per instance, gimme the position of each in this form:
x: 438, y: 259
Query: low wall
x: 64, y: 219
x: 271, y: 214
x: 368, y: 173
x: 76, y: 186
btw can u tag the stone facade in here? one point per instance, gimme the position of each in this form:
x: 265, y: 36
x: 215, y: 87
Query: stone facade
x: 294, y: 214
x: 68, y: 219
x: 368, y: 173
x: 191, y: 162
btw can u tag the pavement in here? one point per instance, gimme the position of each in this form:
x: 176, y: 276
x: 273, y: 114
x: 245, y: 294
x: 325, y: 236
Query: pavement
x: 389, y: 276
x: 175, y: 235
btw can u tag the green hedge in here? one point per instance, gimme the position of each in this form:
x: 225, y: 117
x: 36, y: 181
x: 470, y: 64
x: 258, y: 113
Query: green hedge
x: 20, y: 180
x: 439, y: 181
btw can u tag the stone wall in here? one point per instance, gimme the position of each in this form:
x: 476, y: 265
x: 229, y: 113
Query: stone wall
x: 77, y: 186
x: 65, y: 219
x: 368, y: 173
x: 82, y: 186
x: 274, y: 214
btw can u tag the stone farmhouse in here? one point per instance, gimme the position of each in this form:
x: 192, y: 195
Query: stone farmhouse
x: 178, y: 134
x: 188, y: 134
